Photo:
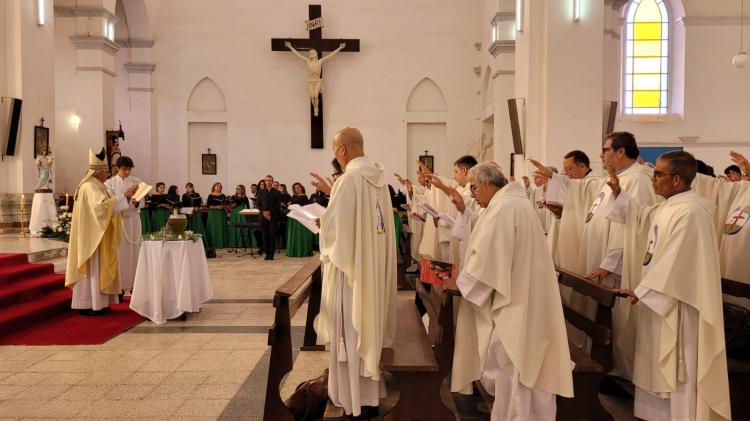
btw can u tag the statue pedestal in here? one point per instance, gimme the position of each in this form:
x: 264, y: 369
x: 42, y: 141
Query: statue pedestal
x: 43, y: 213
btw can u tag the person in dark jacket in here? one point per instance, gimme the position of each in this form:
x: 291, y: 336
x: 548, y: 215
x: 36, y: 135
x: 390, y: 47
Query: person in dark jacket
x: 269, y: 204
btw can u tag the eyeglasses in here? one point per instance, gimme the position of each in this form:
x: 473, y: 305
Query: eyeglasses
x: 473, y: 187
x: 661, y: 174
x: 611, y: 148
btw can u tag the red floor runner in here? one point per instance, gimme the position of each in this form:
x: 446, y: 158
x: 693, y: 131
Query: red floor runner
x: 40, y: 312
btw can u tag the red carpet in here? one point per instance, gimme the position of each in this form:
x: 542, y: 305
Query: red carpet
x: 35, y: 308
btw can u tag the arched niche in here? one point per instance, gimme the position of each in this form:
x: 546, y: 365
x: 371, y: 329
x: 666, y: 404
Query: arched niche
x: 426, y: 97
x: 207, y: 96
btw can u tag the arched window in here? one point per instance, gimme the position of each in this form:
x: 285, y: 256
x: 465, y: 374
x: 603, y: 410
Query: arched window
x: 646, y: 69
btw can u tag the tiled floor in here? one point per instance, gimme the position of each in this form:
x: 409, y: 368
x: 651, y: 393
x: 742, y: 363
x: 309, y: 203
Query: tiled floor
x: 212, y: 366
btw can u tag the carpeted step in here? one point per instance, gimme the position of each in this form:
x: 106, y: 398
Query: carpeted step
x: 24, y: 314
x: 30, y: 289
x: 8, y: 259
x: 15, y: 273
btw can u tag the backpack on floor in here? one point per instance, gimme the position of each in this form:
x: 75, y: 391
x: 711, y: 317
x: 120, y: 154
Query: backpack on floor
x: 308, y: 402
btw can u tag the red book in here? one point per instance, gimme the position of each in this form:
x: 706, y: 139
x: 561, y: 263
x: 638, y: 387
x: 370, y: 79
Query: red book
x: 434, y: 272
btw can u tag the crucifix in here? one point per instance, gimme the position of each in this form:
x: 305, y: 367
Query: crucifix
x: 315, y: 45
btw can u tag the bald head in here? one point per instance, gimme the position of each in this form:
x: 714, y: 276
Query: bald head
x: 348, y: 144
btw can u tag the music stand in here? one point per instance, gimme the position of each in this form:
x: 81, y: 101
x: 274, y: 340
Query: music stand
x: 250, y: 225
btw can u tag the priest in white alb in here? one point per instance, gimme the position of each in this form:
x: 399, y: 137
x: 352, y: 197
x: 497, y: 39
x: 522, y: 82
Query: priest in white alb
x: 460, y: 185
x: 92, y: 269
x: 602, y: 243
x: 680, y: 370
x: 358, y: 302
x: 516, y: 342
x: 130, y: 233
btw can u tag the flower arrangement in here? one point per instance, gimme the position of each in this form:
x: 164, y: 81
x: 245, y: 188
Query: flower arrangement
x: 164, y: 235
x: 59, y: 230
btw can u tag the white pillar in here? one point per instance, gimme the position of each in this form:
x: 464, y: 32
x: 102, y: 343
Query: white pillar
x: 84, y: 84
x: 560, y: 72
x: 136, y: 119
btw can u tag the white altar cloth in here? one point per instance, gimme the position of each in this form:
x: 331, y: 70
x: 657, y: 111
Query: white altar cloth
x: 171, y: 279
x: 43, y: 213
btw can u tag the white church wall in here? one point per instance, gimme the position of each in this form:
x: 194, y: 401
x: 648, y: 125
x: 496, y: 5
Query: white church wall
x: 29, y: 75
x: 268, y: 118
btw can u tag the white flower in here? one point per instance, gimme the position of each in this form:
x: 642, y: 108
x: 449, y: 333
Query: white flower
x: 179, y: 237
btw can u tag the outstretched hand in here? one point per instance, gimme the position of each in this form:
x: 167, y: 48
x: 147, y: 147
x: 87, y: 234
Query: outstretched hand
x: 541, y: 169
x: 598, y: 275
x: 320, y: 183
x: 457, y: 199
x: 614, y: 182
x: 741, y: 161
x: 423, y: 170
x: 399, y: 178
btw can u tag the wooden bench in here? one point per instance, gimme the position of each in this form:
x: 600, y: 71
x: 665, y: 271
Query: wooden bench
x: 412, y: 362
x: 589, y: 371
x: 287, y: 300
x: 738, y: 369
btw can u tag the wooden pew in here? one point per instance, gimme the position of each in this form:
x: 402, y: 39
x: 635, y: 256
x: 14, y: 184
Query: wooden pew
x: 738, y: 369
x: 287, y: 300
x: 412, y: 362
x: 589, y: 371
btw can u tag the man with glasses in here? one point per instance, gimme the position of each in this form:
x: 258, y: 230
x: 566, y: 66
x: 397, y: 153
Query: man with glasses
x: 508, y: 285
x: 600, y: 252
x: 680, y: 359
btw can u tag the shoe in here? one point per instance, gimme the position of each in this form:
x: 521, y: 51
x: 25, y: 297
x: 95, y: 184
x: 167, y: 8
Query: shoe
x: 90, y: 312
x: 366, y: 412
x: 414, y: 268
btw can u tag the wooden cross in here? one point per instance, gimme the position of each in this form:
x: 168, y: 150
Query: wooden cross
x: 319, y: 44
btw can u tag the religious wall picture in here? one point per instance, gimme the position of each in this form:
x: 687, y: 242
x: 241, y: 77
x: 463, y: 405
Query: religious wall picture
x: 112, y: 149
x: 428, y: 161
x: 208, y: 163
x: 41, y: 140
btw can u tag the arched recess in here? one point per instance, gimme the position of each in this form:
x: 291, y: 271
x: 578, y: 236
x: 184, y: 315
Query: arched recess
x: 426, y: 97
x: 207, y: 96
x: 138, y: 22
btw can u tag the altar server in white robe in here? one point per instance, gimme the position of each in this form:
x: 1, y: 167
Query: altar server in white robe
x: 600, y: 253
x: 358, y: 303
x: 680, y: 370
x: 130, y: 234
x: 520, y: 349
x: 92, y: 269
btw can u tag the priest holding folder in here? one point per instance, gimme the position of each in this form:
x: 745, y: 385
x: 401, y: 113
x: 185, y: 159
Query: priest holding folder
x: 358, y: 304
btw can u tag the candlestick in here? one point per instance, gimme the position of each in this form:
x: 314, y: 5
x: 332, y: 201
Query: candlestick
x: 22, y: 234
x: 66, y: 199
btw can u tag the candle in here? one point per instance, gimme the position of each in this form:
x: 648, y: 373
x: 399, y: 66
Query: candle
x: 66, y: 199
x: 23, y: 198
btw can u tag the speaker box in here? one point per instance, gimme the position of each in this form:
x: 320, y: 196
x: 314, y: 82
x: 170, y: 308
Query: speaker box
x: 12, y: 121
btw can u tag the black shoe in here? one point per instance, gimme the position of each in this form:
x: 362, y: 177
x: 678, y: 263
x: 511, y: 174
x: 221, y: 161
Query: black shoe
x: 366, y: 412
x: 266, y: 258
x: 90, y: 312
x: 269, y: 257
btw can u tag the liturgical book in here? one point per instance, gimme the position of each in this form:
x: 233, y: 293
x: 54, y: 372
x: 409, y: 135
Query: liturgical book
x: 142, y: 191
x: 435, y: 272
x: 307, y: 215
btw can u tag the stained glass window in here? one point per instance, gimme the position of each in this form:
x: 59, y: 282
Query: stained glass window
x: 646, y: 57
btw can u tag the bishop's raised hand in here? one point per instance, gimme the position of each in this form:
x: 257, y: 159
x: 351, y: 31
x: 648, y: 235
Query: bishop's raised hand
x: 457, y: 199
x: 423, y: 170
x: 320, y: 183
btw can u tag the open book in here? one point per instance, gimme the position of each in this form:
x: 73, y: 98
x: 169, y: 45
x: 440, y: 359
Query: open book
x: 249, y: 212
x: 307, y: 215
x: 447, y: 219
x: 187, y: 210
x: 429, y: 209
x: 142, y: 191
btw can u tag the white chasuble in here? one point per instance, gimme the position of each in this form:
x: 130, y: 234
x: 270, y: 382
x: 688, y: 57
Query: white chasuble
x: 733, y: 211
x: 511, y: 297
x: 358, y: 249
x: 601, y: 247
x: 680, y: 323
x: 130, y: 235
